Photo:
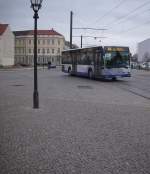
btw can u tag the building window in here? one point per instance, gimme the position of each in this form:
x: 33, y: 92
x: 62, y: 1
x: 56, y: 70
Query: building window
x: 58, y: 59
x: 39, y: 51
x: 29, y: 51
x: 58, y: 50
x: 29, y: 42
x: 53, y: 42
x: 43, y: 51
x: 48, y: 41
x: 58, y: 42
x: 47, y: 50
x: 19, y: 50
x: 53, y: 51
x: 38, y: 41
x: 43, y: 42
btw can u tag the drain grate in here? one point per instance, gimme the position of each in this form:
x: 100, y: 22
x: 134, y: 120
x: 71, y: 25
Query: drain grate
x: 84, y: 87
x: 17, y: 85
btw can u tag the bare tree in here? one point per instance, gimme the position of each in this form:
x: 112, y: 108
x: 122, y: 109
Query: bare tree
x: 134, y: 58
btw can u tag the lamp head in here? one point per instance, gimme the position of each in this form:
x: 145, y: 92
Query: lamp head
x: 36, y: 4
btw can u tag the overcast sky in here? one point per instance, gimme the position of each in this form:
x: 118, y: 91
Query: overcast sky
x: 127, y: 21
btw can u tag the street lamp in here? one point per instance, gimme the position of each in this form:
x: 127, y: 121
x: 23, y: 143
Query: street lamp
x: 35, y: 5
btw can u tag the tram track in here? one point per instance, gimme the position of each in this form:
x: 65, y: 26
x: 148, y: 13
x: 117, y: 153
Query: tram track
x: 135, y: 88
x: 134, y: 92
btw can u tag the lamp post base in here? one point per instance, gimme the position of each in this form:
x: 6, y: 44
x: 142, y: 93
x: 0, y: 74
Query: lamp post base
x: 35, y: 100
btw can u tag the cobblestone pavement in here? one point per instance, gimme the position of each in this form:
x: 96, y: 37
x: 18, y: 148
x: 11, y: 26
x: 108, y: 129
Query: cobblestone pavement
x: 82, y: 126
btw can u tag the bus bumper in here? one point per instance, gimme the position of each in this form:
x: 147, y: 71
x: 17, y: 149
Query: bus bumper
x: 117, y: 75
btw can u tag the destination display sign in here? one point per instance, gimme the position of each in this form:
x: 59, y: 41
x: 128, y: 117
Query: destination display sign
x: 116, y: 48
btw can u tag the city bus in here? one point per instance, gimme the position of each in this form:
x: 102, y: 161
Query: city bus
x: 109, y: 62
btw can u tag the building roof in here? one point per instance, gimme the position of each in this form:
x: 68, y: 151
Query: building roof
x: 3, y: 27
x: 39, y: 32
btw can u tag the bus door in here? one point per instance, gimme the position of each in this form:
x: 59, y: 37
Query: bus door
x: 97, y: 63
x: 74, y: 63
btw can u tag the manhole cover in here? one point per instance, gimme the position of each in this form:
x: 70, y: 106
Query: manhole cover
x: 84, y: 87
x: 17, y: 85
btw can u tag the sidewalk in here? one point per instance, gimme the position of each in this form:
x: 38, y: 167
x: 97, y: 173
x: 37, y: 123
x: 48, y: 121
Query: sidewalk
x: 20, y: 68
x: 26, y: 68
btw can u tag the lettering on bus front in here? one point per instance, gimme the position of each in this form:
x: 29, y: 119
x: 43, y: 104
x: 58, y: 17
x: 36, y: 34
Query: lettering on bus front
x: 120, y: 49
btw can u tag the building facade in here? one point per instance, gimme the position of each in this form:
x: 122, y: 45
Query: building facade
x: 144, y: 51
x: 6, y: 45
x: 50, y: 44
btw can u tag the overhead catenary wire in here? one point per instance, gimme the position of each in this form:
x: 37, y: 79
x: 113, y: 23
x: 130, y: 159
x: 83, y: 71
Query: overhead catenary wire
x: 129, y: 17
x: 110, y: 11
x: 88, y: 28
x: 135, y: 27
x: 125, y: 18
x: 116, y: 6
x: 95, y: 37
x: 128, y: 14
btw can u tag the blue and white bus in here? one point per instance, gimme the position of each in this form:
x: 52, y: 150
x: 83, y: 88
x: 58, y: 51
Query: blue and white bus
x: 108, y: 62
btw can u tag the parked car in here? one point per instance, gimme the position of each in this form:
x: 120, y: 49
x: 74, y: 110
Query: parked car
x: 53, y: 66
x: 50, y: 65
x: 145, y: 65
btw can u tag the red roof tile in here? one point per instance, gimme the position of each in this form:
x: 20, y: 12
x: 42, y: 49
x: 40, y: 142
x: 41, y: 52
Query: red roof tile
x: 3, y: 27
x: 39, y: 32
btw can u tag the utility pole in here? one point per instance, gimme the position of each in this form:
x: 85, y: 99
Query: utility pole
x: 81, y: 41
x: 71, y: 21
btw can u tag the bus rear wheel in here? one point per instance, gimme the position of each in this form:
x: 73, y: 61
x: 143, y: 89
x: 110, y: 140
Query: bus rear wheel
x: 114, y: 78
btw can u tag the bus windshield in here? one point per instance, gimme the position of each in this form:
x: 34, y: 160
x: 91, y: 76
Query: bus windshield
x: 117, y: 59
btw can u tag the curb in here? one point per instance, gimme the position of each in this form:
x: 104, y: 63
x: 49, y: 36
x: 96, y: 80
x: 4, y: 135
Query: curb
x: 18, y: 69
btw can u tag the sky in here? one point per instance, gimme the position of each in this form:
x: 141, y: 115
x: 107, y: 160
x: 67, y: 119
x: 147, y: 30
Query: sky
x: 126, y: 22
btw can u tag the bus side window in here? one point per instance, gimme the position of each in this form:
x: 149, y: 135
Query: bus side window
x: 78, y: 59
x: 89, y: 58
x: 66, y: 59
x: 82, y: 60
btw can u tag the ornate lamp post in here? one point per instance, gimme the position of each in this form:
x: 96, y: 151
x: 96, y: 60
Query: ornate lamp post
x: 35, y: 5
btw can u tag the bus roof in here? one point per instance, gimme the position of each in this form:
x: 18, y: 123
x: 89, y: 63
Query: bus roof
x: 94, y: 47
x: 108, y: 48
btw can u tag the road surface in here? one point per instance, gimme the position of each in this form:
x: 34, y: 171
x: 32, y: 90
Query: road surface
x: 82, y: 126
